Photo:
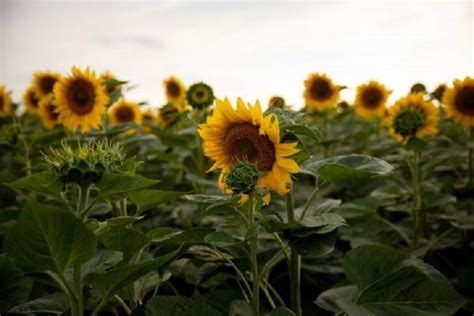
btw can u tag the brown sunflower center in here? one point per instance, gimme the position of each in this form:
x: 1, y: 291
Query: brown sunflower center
x: 47, y: 84
x: 81, y: 96
x: 320, y: 89
x: 371, y: 97
x: 464, y: 100
x: 200, y: 94
x: 174, y: 89
x: 244, y: 142
x: 34, y: 100
x: 125, y: 114
x: 53, y: 116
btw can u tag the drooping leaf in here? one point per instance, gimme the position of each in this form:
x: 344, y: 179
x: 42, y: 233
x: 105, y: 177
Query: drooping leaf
x: 46, y: 238
x: 44, y: 182
x: 116, y: 186
x: 126, y: 240
x: 146, y: 199
x: 53, y: 304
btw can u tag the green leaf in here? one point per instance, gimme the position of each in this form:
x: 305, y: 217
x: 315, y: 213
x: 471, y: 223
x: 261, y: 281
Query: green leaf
x: 102, y: 260
x: 44, y: 182
x: 220, y: 239
x: 14, y: 286
x: 179, y: 306
x: 53, y: 304
x: 335, y: 299
x: 126, y: 240
x: 113, y: 280
x: 281, y: 311
x: 315, y: 246
x: 46, y: 238
x: 321, y: 224
x: 391, y: 282
x: 348, y: 168
x: 304, y: 129
x: 205, y: 198
x: 190, y: 236
x: 359, y: 208
x: 241, y: 308
x: 146, y: 199
x: 113, y: 186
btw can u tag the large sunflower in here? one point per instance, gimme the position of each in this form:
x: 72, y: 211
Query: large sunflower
x: 5, y: 102
x: 175, y: 92
x: 371, y: 99
x: 458, y: 101
x: 412, y: 116
x: 246, y: 134
x: 125, y: 112
x: 320, y: 92
x: 31, y: 100
x: 47, y: 111
x: 44, y: 82
x: 81, y: 100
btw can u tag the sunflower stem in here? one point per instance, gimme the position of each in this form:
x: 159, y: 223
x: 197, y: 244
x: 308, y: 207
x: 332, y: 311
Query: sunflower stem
x: 471, y: 154
x: 253, y: 259
x: 295, y: 260
x: 418, y: 216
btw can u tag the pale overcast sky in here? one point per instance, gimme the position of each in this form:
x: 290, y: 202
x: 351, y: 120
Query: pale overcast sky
x: 252, y: 49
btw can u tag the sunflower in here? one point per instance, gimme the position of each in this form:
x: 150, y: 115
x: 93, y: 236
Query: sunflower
x: 149, y: 120
x: 412, y: 116
x: 246, y: 134
x: 175, y: 92
x: 320, y: 93
x: 167, y: 115
x: 276, y: 101
x: 44, y: 82
x: 5, y: 102
x: 124, y: 111
x: 47, y: 111
x: 31, y: 100
x: 371, y: 99
x: 458, y: 101
x: 200, y: 95
x: 81, y: 100
x: 439, y: 92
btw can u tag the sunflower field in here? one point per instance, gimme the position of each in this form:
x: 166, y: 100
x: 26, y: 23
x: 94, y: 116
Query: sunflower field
x: 210, y: 206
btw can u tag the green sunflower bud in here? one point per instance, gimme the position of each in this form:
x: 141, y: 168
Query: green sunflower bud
x: 200, y: 95
x: 418, y: 87
x: 438, y: 92
x: 242, y: 178
x: 408, y: 121
x: 277, y: 102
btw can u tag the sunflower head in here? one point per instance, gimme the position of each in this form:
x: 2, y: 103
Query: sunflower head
x: 168, y: 115
x: 47, y: 111
x: 200, y: 95
x: 124, y: 111
x: 412, y: 117
x: 81, y: 100
x: 44, y: 82
x: 276, y: 101
x: 175, y: 90
x: 242, y: 177
x: 320, y: 92
x: 246, y: 134
x: 371, y: 99
x: 458, y: 101
x: 149, y: 120
x: 438, y: 93
x: 418, y: 87
x: 31, y: 100
x: 5, y: 102
x: 343, y: 105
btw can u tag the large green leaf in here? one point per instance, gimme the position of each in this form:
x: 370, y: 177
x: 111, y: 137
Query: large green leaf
x: 53, y: 304
x: 14, y: 286
x: 46, y: 238
x: 347, y: 168
x: 322, y: 224
x: 179, y: 306
x: 113, y: 280
x: 44, y: 182
x: 391, y: 282
x: 146, y: 199
x: 126, y: 240
x: 116, y: 186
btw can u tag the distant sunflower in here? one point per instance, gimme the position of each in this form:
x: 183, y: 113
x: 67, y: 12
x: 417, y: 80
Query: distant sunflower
x: 167, y: 115
x: 412, y: 116
x: 44, y: 82
x: 47, y: 111
x: 246, y: 134
x: 458, y: 101
x: 31, y: 100
x: 320, y: 92
x: 149, y: 120
x: 175, y: 91
x: 124, y: 111
x: 276, y: 101
x: 81, y: 100
x: 5, y: 102
x: 371, y: 99
x: 200, y: 95
x: 418, y: 87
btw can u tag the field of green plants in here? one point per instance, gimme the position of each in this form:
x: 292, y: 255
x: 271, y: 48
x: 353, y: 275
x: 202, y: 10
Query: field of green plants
x: 210, y: 206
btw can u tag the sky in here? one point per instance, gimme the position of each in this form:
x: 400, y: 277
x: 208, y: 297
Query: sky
x: 248, y: 49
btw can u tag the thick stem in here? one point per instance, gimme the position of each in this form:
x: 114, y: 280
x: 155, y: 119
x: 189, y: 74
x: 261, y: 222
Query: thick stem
x: 253, y: 260
x: 418, y: 216
x: 77, y: 276
x: 295, y: 261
